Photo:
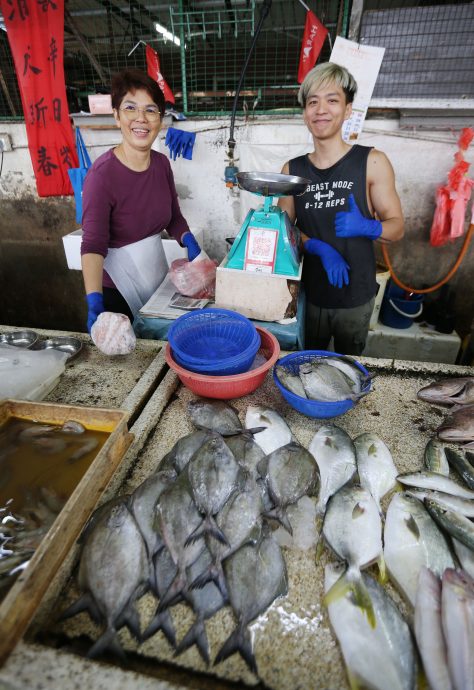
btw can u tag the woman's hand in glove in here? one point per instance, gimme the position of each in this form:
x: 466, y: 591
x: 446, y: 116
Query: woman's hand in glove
x: 95, y: 306
x: 336, y: 268
x: 191, y: 244
x: 352, y: 223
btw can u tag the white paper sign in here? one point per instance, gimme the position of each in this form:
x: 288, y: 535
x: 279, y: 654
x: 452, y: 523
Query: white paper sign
x: 363, y: 62
x: 260, y: 250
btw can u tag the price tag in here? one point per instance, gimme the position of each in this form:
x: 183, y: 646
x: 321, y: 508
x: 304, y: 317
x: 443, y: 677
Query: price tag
x: 260, y: 251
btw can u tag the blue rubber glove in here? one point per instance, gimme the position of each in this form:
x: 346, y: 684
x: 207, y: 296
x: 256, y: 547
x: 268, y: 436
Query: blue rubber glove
x: 352, y: 223
x: 336, y: 268
x: 95, y: 305
x: 173, y: 141
x: 191, y: 244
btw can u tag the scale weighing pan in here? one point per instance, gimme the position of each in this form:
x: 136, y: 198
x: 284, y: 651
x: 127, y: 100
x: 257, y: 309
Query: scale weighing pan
x: 272, y: 184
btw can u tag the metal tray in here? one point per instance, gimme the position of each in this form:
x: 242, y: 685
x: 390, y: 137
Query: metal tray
x: 272, y: 184
x: 25, y: 339
x: 71, y: 346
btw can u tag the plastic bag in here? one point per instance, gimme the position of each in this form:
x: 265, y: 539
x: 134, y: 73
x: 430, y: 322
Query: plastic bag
x: 113, y: 334
x: 439, y: 233
x: 29, y: 374
x: 194, y: 278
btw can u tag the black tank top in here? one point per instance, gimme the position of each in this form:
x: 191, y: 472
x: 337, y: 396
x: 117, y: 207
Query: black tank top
x: 316, y: 209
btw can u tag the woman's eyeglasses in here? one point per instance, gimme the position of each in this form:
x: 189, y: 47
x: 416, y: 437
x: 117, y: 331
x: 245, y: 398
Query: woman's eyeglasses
x: 150, y: 111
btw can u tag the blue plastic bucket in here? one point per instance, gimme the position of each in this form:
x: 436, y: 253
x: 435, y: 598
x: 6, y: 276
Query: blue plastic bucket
x: 397, y: 311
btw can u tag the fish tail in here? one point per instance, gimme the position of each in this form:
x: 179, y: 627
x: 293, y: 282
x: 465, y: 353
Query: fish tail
x: 279, y: 514
x: 84, y: 603
x: 211, y: 574
x: 195, y: 635
x: 359, y: 591
x: 196, y: 534
x: 239, y: 641
x: 174, y: 592
x: 214, y: 530
x: 107, y: 642
x: 161, y: 621
x: 130, y: 618
x: 255, y: 430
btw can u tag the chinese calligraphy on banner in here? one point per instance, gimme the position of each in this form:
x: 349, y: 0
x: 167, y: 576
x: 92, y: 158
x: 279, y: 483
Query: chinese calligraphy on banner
x: 35, y: 30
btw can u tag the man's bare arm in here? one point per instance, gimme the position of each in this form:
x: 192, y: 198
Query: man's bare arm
x: 383, y: 196
x: 287, y: 203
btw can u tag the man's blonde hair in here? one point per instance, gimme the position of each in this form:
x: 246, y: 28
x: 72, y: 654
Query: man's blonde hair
x: 323, y: 74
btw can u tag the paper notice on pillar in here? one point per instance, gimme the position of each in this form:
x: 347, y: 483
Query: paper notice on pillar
x: 363, y: 62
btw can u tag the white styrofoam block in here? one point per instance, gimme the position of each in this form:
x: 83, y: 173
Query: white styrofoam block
x: 72, y: 248
x: 417, y: 344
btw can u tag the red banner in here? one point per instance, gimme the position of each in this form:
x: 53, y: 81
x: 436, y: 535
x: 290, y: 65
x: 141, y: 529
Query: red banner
x: 35, y: 30
x: 313, y: 38
x: 153, y: 69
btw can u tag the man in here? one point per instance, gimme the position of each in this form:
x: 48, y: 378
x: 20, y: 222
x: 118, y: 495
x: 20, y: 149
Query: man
x: 350, y: 202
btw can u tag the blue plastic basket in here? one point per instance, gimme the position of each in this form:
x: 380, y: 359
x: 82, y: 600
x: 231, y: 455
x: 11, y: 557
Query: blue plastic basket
x: 313, y: 408
x: 214, y: 341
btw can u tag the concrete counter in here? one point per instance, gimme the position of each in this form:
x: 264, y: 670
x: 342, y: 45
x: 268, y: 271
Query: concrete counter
x: 293, y: 643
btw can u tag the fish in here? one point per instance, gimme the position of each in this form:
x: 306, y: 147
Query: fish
x: 350, y: 369
x: 458, y: 427
x: 457, y: 615
x: 276, y: 432
x: 255, y: 575
x: 377, y: 471
x: 325, y: 383
x: 334, y: 452
x: 353, y: 529
x: 462, y: 466
x: 215, y: 415
x: 380, y: 657
x: 453, y: 523
x: 465, y: 556
x: 246, y: 451
x: 164, y: 573
x: 290, y: 381
x: 412, y: 540
x: 214, y: 474
x: 465, y: 506
x: 184, y: 449
x: 437, y: 482
x: 429, y: 632
x: 113, y: 573
x: 435, y: 459
x: 290, y: 472
x: 72, y: 427
x: 453, y: 391
x: 142, y: 505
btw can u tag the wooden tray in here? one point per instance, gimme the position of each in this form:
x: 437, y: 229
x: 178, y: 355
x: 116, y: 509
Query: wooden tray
x: 21, y: 602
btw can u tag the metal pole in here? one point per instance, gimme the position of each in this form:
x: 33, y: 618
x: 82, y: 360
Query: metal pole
x: 182, y: 51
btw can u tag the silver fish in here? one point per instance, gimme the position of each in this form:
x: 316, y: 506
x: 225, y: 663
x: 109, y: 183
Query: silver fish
x: 462, y: 466
x: 458, y: 427
x: 214, y: 474
x: 381, y: 657
x: 276, y: 431
x: 246, y: 451
x: 350, y: 369
x: 143, y: 507
x: 72, y: 427
x: 456, y: 525
x: 215, y: 415
x: 465, y: 506
x: 164, y: 573
x: 429, y: 631
x: 292, y: 382
x: 377, y: 471
x: 325, y: 383
x: 454, y: 391
x: 435, y: 459
x: 412, y: 540
x: 256, y: 576
x: 290, y: 472
x: 465, y: 556
x: 437, y: 482
x: 353, y: 529
x: 184, y: 449
x: 335, y: 456
x: 457, y: 615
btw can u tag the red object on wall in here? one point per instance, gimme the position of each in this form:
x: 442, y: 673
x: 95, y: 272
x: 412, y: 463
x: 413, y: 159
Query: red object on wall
x: 313, y: 38
x: 35, y: 32
x: 153, y: 69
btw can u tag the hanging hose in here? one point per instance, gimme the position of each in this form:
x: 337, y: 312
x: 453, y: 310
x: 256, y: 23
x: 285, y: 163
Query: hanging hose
x: 437, y: 285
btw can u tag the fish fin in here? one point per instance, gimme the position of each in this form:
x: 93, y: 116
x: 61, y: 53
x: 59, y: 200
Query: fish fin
x: 207, y: 526
x: 239, y: 641
x: 108, y: 642
x: 84, y: 603
x: 174, y: 592
x: 360, y: 594
x: 201, y: 580
x: 195, y: 635
x: 383, y: 575
x: 131, y: 619
x: 280, y: 515
x: 161, y: 621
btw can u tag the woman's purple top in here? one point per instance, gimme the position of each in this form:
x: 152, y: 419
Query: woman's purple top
x: 121, y: 206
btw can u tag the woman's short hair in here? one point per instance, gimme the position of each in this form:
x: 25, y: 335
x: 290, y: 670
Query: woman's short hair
x: 323, y: 74
x: 131, y: 80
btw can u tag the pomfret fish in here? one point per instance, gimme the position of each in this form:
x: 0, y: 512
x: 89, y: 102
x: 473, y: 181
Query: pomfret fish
x: 334, y: 452
x: 381, y: 657
x: 290, y: 472
x: 429, y: 631
x: 256, y: 576
x: 465, y: 506
x: 457, y: 615
x: 246, y: 451
x: 184, y: 449
x: 291, y: 381
x: 377, y: 471
x: 348, y: 367
x: 276, y: 432
x: 437, y: 482
x: 325, y: 383
x: 164, y: 573
x: 412, y: 540
x: 453, y: 523
x: 143, y: 507
x: 215, y: 415
x: 435, y: 459
x: 458, y: 427
x: 462, y: 466
x: 455, y: 391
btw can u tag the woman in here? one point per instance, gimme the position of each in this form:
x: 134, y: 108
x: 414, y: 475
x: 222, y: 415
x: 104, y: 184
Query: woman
x: 129, y: 197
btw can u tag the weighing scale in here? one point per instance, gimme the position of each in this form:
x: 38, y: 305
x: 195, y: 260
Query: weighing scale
x: 267, y: 241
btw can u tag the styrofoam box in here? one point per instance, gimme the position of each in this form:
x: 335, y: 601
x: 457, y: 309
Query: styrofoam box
x: 72, y: 248
x: 417, y: 344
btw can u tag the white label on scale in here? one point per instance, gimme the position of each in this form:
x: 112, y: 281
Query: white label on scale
x: 260, y: 251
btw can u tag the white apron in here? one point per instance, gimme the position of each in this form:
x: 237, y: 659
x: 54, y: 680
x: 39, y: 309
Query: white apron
x: 137, y: 270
